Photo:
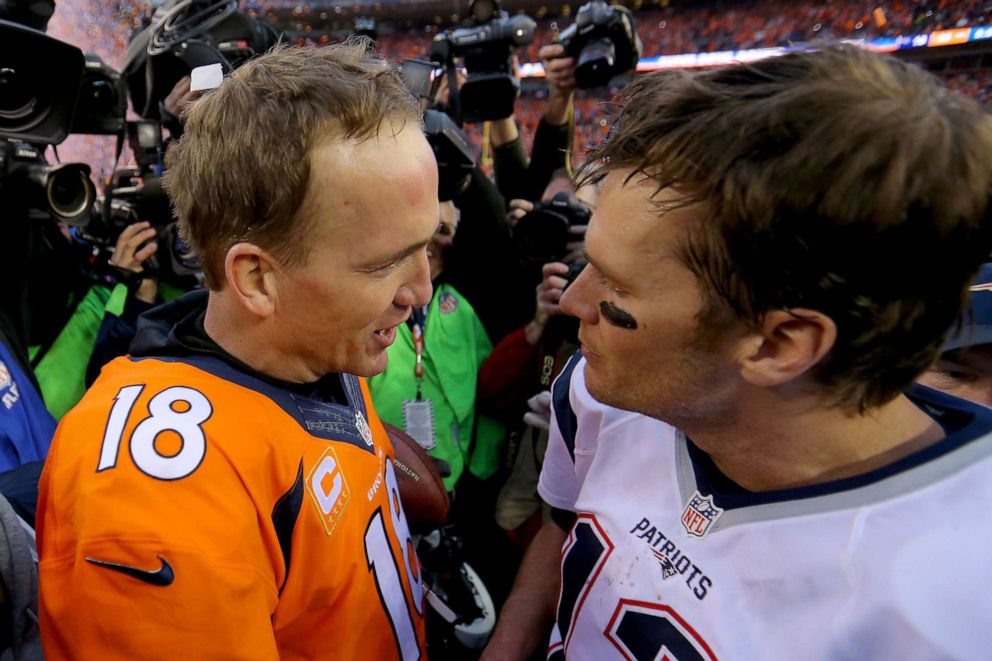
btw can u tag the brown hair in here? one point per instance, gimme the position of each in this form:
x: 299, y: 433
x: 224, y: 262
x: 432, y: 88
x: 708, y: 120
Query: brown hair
x: 838, y: 180
x: 241, y: 170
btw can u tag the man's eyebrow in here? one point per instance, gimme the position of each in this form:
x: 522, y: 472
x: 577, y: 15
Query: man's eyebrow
x: 599, y: 267
x: 380, y: 262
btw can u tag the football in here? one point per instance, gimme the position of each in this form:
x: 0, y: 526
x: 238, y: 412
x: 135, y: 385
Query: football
x: 425, y: 500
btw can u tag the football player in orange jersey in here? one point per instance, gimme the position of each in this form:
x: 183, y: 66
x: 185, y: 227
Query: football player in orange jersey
x: 226, y: 491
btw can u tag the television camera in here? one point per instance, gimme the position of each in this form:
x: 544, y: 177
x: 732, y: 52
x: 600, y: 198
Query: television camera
x: 49, y: 89
x: 486, y: 48
x: 454, y: 153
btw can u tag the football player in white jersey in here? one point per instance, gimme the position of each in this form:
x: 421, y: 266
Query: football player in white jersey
x: 740, y: 465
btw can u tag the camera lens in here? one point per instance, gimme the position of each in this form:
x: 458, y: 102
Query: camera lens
x: 70, y: 193
x: 596, y: 63
x: 541, y: 236
x: 16, y: 99
x: 100, y: 98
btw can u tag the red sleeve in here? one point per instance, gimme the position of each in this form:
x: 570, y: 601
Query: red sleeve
x: 509, y: 375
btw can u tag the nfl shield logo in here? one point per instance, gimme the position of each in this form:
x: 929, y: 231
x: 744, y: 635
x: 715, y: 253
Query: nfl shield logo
x: 4, y: 375
x: 363, y: 428
x: 448, y: 303
x: 700, y: 514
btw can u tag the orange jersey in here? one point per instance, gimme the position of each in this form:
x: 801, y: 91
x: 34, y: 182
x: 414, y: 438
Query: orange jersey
x: 189, y: 509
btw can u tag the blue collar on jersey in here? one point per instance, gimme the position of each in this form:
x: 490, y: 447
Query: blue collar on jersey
x: 963, y: 423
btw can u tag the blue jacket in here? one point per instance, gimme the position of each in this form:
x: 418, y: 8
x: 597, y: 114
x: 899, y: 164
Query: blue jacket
x: 26, y: 426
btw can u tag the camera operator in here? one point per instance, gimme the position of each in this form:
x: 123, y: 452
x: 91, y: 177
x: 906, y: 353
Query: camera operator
x: 137, y: 293
x: 482, y: 247
x: 175, y: 105
x: 41, y: 277
x: 517, y: 176
x: 429, y: 384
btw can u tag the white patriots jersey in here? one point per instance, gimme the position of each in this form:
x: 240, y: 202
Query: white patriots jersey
x: 668, y: 559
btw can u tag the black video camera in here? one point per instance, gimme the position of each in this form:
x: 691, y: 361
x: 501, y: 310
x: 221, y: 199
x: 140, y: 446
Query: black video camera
x: 28, y: 183
x: 487, y: 51
x: 543, y: 234
x: 454, y: 153
x: 50, y: 89
x: 101, y: 105
x: 604, y: 42
x: 183, y: 35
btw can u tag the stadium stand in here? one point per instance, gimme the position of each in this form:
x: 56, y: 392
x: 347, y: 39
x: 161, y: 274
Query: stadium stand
x: 101, y: 26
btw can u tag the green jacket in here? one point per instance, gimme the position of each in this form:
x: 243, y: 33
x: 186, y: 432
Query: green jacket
x: 455, y: 346
x: 61, y: 373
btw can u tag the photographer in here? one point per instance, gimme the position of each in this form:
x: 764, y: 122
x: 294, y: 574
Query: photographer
x: 42, y: 282
x: 74, y: 357
x: 428, y: 387
x: 516, y: 176
x: 136, y: 294
x: 514, y: 380
x: 483, y: 244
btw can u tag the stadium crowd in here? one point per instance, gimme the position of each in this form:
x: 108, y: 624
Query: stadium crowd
x: 729, y: 25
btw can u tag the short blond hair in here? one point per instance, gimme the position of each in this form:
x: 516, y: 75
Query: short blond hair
x: 241, y: 170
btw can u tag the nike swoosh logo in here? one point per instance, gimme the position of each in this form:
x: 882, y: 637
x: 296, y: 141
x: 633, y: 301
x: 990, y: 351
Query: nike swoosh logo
x: 161, y: 577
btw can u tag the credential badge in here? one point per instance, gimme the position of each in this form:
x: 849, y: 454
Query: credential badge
x: 700, y: 514
x: 363, y: 428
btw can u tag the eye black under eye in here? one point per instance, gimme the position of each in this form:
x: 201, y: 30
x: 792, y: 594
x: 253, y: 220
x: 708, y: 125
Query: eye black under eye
x: 617, y: 316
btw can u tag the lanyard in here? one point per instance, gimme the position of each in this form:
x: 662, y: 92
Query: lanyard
x: 418, y: 323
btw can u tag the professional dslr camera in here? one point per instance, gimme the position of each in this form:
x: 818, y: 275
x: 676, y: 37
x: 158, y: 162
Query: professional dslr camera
x: 487, y: 52
x: 604, y: 42
x: 135, y: 194
x: 543, y: 234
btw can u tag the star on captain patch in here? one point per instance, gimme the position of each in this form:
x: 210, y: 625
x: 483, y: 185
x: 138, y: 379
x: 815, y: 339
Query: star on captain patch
x: 700, y: 514
x: 363, y: 428
x: 667, y: 568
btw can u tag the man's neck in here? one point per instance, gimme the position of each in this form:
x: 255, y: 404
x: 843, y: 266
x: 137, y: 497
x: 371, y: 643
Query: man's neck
x: 811, y: 445
x: 245, y: 340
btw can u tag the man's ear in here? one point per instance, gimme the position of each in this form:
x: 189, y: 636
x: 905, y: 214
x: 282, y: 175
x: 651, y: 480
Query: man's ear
x: 250, y: 273
x: 786, y: 345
